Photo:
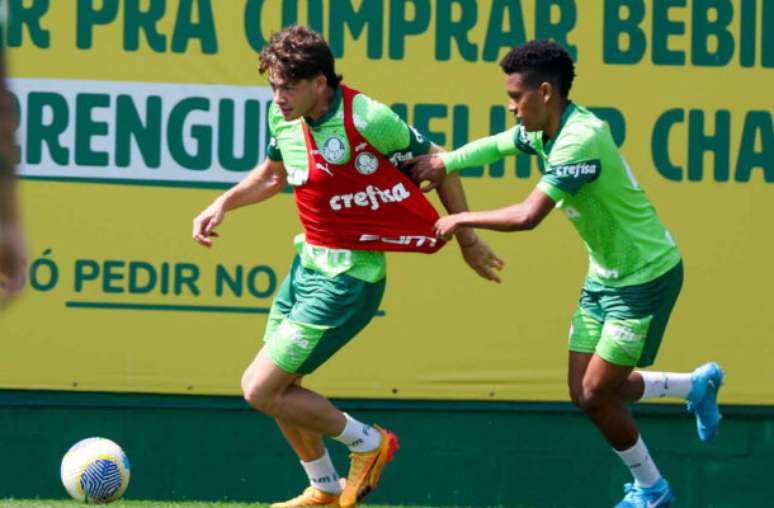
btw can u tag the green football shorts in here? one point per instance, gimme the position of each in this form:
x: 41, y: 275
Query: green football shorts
x: 314, y: 315
x: 625, y: 325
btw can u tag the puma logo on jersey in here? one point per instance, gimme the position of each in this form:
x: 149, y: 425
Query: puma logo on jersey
x: 572, y: 213
x: 324, y: 168
x: 419, y: 241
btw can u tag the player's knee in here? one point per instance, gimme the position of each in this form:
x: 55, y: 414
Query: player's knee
x: 575, y: 386
x: 260, y: 400
x: 258, y: 396
x: 576, y: 395
x: 590, y: 397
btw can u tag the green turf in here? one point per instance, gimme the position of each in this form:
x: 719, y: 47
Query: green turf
x: 45, y: 503
x: 28, y: 503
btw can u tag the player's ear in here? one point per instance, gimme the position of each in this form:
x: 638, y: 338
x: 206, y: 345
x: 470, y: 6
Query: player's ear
x: 320, y: 81
x: 546, y: 90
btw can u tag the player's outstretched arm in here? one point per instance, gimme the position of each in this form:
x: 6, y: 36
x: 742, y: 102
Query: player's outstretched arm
x: 431, y: 169
x: 477, y: 254
x: 263, y: 182
x: 521, y: 216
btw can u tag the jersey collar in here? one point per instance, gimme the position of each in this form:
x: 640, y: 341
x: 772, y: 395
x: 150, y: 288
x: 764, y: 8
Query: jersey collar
x: 335, y: 104
x: 568, y: 110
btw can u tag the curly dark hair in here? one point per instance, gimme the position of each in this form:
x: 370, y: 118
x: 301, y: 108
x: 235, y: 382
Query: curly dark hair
x: 298, y: 52
x: 541, y: 61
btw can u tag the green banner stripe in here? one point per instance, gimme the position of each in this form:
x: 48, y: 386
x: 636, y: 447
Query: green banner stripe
x: 166, y: 307
x: 174, y: 308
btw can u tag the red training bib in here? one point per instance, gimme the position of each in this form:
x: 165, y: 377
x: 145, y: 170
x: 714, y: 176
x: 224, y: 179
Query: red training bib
x: 365, y: 204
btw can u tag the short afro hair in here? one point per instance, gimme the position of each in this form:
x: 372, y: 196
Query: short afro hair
x: 541, y: 61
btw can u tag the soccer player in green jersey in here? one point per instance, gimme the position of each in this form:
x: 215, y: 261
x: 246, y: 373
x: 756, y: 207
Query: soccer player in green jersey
x: 635, y: 271
x: 330, y: 294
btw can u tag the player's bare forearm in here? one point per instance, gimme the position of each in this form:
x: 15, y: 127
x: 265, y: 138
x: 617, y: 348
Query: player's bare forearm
x: 262, y: 183
x: 519, y: 217
x: 477, y: 254
x: 511, y: 218
x: 452, y: 196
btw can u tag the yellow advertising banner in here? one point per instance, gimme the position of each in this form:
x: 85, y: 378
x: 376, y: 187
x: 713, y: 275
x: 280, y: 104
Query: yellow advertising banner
x: 135, y: 114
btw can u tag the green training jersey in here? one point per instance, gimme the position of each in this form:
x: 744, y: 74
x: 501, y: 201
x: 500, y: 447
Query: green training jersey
x: 591, y: 182
x: 381, y: 127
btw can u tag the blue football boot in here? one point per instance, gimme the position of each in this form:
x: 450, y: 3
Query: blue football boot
x: 703, y: 399
x: 659, y: 495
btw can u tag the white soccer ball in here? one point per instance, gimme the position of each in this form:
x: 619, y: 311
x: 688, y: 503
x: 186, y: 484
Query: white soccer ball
x: 95, y: 470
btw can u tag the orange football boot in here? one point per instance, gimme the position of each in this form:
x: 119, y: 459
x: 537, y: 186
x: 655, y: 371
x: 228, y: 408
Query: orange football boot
x: 365, y: 469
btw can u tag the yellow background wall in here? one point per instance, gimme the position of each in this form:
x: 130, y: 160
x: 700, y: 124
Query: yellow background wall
x: 446, y: 334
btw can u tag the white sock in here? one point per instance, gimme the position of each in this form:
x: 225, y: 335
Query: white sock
x: 322, y: 475
x: 666, y: 384
x: 638, y: 460
x: 359, y: 437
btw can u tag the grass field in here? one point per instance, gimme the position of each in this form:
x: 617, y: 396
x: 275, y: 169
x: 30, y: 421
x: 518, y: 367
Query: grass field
x: 43, y: 503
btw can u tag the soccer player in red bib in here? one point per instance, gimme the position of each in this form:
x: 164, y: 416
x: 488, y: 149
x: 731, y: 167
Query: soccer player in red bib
x: 338, y: 149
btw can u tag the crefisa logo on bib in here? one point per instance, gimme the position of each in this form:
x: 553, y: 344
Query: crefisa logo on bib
x: 366, y: 163
x: 333, y: 149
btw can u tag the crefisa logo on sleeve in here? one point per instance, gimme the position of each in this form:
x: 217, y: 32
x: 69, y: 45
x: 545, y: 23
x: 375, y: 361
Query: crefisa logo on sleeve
x: 580, y: 169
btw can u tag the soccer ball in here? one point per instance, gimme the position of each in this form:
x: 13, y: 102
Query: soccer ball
x: 95, y: 470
